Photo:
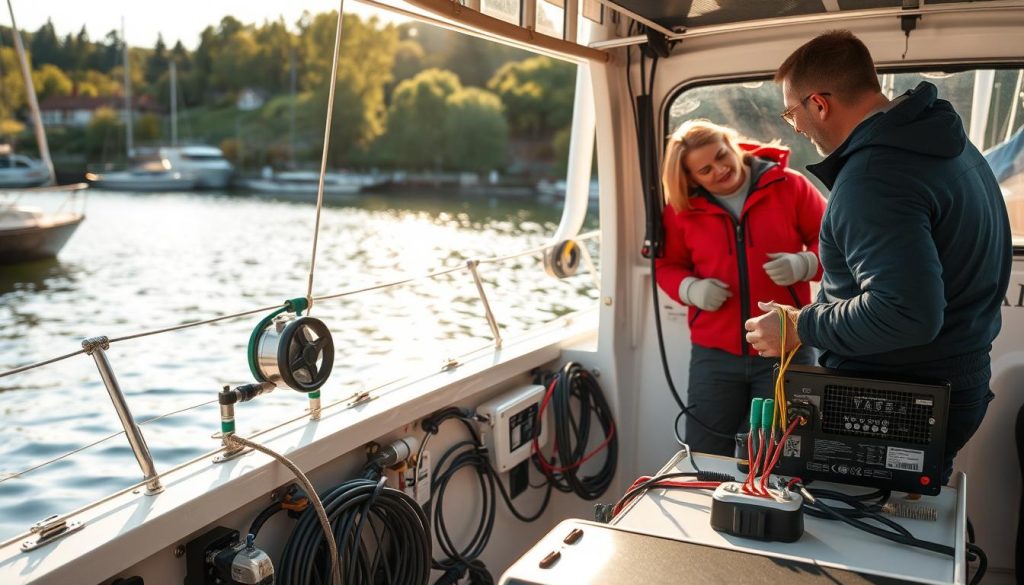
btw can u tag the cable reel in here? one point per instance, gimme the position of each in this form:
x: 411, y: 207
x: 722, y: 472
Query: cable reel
x: 563, y: 259
x: 295, y: 351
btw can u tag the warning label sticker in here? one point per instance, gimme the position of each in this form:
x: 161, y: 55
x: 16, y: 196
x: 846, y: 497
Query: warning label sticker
x: 904, y: 459
x: 792, y: 447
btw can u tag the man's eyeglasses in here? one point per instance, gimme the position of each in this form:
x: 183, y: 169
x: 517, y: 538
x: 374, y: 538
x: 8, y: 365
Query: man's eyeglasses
x: 791, y: 110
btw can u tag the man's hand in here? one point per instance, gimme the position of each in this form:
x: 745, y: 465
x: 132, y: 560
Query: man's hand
x: 706, y: 293
x: 764, y: 332
x: 785, y: 269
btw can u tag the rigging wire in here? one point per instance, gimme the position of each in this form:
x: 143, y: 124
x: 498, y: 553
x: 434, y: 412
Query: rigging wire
x: 107, y: 438
x: 262, y: 310
x: 323, y: 157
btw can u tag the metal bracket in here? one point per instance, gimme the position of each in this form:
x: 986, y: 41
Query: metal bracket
x: 360, y: 397
x: 48, y: 530
x: 229, y: 453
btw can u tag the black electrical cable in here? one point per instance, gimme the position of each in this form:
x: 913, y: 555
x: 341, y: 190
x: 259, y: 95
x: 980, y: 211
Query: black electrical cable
x: 473, y: 455
x: 664, y: 360
x: 979, y: 574
x: 573, y: 383
x: 394, y: 551
x: 893, y: 536
x: 857, y: 508
x: 262, y: 517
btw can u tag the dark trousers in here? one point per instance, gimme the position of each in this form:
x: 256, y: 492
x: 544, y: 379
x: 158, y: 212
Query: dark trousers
x: 967, y: 408
x: 719, y: 394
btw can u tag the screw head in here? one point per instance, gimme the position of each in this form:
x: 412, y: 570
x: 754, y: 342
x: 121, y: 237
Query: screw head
x: 179, y: 551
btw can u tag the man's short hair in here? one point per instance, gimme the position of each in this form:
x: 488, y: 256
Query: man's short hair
x: 836, y: 62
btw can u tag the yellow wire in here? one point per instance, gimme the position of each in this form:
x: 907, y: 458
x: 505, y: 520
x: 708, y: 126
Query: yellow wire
x: 784, y: 360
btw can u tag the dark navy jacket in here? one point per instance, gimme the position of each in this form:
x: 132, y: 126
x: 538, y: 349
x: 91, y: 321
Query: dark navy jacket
x: 916, y: 248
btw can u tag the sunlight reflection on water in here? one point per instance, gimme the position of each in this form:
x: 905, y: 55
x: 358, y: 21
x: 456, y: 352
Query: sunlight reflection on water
x: 140, y: 262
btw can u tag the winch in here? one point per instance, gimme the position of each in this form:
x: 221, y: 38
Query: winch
x: 292, y: 350
x: 563, y: 259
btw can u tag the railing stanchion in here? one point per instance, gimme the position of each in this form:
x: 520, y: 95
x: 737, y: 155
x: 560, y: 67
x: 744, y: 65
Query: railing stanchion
x: 95, y: 347
x: 472, y: 265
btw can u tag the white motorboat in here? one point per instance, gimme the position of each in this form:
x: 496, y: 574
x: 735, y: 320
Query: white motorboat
x: 17, y: 170
x: 188, y: 523
x: 204, y: 165
x: 153, y: 176
x: 304, y: 184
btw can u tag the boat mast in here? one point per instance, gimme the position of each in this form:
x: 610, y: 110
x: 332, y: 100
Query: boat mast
x: 33, y: 103
x: 174, y: 104
x: 129, y: 134
x: 291, y: 109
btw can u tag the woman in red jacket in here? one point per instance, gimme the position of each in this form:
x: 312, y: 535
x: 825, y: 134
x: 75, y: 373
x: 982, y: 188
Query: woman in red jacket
x: 740, y: 228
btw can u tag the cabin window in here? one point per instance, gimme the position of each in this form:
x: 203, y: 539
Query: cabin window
x: 752, y: 107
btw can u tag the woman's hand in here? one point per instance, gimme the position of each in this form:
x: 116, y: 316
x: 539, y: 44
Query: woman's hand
x: 705, y: 293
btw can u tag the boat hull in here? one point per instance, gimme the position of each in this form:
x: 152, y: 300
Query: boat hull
x: 36, y: 243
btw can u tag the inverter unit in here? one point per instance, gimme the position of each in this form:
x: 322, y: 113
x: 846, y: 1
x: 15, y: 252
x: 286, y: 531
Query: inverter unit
x: 862, y: 430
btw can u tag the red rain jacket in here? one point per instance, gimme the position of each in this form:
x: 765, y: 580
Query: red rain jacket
x: 782, y: 213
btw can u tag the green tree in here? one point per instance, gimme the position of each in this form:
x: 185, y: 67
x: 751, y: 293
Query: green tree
x: 147, y: 128
x: 537, y: 93
x: 12, y: 87
x: 45, y: 46
x: 101, y: 131
x: 157, y: 62
x: 367, y: 56
x: 49, y: 80
x: 476, y: 134
x: 417, y: 118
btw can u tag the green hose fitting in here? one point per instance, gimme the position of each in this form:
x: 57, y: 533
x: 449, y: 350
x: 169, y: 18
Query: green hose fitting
x: 756, y: 406
x: 768, y: 413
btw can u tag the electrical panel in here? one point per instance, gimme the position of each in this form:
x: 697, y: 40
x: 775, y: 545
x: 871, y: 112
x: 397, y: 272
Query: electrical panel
x: 861, y: 430
x: 513, y: 418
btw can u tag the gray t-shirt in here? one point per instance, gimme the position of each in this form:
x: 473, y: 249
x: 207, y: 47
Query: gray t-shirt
x: 734, y: 201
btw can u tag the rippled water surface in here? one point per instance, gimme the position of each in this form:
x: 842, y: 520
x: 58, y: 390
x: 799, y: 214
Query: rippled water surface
x: 141, y: 262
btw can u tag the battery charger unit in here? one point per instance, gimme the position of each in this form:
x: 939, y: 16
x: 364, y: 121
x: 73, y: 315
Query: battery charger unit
x: 862, y: 430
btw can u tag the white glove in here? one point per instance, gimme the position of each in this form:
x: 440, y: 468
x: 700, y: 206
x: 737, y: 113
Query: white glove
x: 705, y: 293
x: 785, y: 269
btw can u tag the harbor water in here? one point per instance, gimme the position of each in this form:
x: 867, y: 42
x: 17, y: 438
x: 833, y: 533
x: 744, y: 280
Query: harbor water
x: 146, y: 261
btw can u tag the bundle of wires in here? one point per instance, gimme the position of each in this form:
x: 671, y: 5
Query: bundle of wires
x: 381, y: 532
x: 572, y: 433
x: 770, y: 415
x: 702, y: 480
x: 468, y: 454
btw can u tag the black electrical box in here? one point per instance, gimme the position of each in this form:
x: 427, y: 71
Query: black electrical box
x: 862, y: 430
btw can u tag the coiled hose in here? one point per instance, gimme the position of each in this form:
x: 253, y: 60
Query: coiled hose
x: 381, y: 532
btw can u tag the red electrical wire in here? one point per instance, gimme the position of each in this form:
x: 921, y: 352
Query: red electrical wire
x: 544, y: 463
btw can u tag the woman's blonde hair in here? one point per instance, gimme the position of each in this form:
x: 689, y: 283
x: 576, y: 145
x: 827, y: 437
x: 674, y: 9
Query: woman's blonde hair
x: 690, y: 135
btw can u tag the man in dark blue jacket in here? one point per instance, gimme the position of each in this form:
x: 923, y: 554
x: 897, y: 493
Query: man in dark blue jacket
x: 915, y: 242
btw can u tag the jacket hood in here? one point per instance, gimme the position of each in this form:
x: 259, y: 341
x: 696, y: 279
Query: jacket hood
x: 768, y: 152
x: 920, y: 123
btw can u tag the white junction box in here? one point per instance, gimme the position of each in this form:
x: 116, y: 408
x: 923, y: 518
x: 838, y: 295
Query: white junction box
x: 512, y: 418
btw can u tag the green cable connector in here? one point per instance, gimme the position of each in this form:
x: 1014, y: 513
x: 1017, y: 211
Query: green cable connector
x: 756, y: 407
x: 314, y: 394
x: 767, y: 413
x: 227, y: 427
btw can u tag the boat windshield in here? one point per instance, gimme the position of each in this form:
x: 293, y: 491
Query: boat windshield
x: 997, y: 93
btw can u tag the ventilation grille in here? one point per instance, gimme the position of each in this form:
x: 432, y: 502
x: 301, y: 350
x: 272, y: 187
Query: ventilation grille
x: 881, y: 414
